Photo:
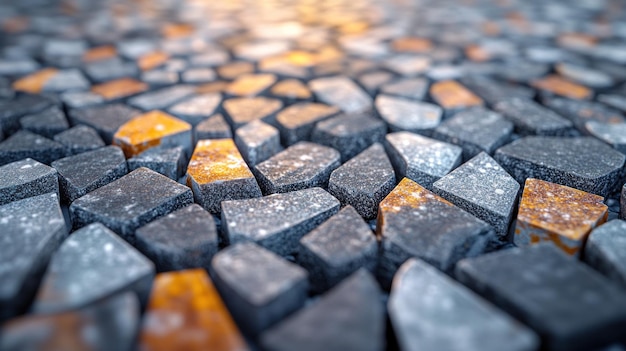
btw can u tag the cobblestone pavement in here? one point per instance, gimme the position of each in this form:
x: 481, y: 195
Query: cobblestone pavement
x: 313, y: 175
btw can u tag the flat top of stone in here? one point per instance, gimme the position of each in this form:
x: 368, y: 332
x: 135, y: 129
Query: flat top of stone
x: 291, y: 88
x: 413, y: 88
x: 22, y: 172
x: 610, y: 238
x: 249, y: 264
x: 341, y: 92
x: 25, y: 140
x: 161, y: 98
x: 366, y: 171
x: 242, y: 110
x: 255, y: 133
x: 119, y: 88
x: 160, y: 154
x: 526, y: 112
x: 262, y: 217
x: 408, y: 114
x: 304, y: 113
x: 346, y: 124
x: 561, y: 86
x: 151, y: 125
x: 450, y: 94
x: 187, y: 227
x: 476, y: 125
x: 112, y: 115
x: 613, y: 133
x: 85, y: 168
x: 251, y: 84
x: 80, y: 136
x: 408, y: 194
x: 217, y: 160
x: 22, y: 105
x: 200, y: 105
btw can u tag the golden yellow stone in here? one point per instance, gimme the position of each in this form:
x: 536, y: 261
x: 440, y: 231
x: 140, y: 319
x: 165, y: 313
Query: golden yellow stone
x: 34, y: 83
x: 119, y: 88
x: 251, y: 84
x: 450, y: 94
x: 216, y: 160
x: 152, y: 60
x: 563, y: 87
x: 291, y: 89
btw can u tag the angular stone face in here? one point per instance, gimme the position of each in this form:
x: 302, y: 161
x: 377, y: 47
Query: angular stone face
x: 303, y: 165
x: 338, y: 248
x: 240, y: 111
x: 341, y: 92
x: 291, y: 90
x: 409, y: 88
x: 582, y: 163
x: 414, y: 222
x: 364, y: 181
x: 557, y: 214
x: 99, y: 53
x: 483, y: 188
x: 26, y: 178
x: 557, y: 85
x: 88, y: 171
x: 34, y: 83
x: 161, y: 99
x: 111, y: 69
x: 130, y: 202
x: 353, y: 307
x: 151, y: 129
x: 586, y: 76
x: 612, y: 134
x: 568, y: 304
x: 405, y: 115
x: 186, y: 238
x: 217, y: 172
x: 30, y: 231
x: 25, y: 144
x: 119, y: 88
x: 170, y: 162
x: 451, y: 95
x: 235, y: 69
x: 475, y: 130
x: 605, y: 250
x: 531, y: 118
x: 251, y: 84
x: 66, y: 80
x: 350, y: 133
x: 152, y: 60
x: 579, y: 112
x: 88, y: 328
x: 296, y: 122
x: 259, y: 287
x: 298, y: 213
x: 79, y: 139
x: 190, y: 298
x: 197, y: 108
x: 493, y: 91
x: 47, y: 123
x: 105, y: 119
x: 257, y: 141
x: 473, y: 324
x: 214, y: 127
x: 12, y: 110
x: 421, y: 159
x: 93, y: 263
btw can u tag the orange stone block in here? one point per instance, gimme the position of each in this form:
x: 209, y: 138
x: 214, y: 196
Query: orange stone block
x: 235, y: 69
x: 177, y: 30
x: 563, y: 87
x: 557, y: 214
x: 301, y: 58
x: 119, y: 88
x: 152, y: 129
x: 152, y: 60
x: 251, y: 84
x: 34, y: 83
x: 291, y: 89
x: 450, y: 94
x: 99, y: 53
x: 186, y: 312
x: 412, y: 44
x: 212, y: 87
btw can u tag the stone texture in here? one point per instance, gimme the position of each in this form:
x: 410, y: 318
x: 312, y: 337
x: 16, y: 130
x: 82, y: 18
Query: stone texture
x: 582, y: 163
x: 12, y: 110
x: 494, y: 91
x: 190, y: 298
x: 257, y: 141
x: 428, y: 310
x: 79, y: 139
x: 300, y: 166
x: 30, y: 231
x: 579, y: 112
x: 105, y: 119
x: 119, y: 88
x: 83, y: 173
x: 111, y: 69
x: 409, y: 88
x: 214, y: 127
x: 196, y: 109
x: 162, y: 98
x: 452, y: 96
x: 483, y: 188
x: 240, y: 111
x: 259, y: 287
x: 584, y: 75
x: 296, y: 122
x: 251, y: 84
x: 47, y: 123
x: 569, y: 305
x: 168, y: 161
x: 26, y: 178
x: 605, y: 250
x: 531, y: 118
x: 364, y: 181
x: 341, y: 92
x: 349, y: 317
x: 34, y: 82
x: 406, y: 115
x: 421, y: 159
x: 25, y: 144
x: 291, y: 90
x: 130, y: 202
x: 298, y: 213
x: 560, y: 86
x: 93, y: 263
x: 612, y: 134
x: 66, y: 80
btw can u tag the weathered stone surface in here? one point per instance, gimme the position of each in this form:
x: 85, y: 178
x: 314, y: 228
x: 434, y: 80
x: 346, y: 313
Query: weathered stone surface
x: 605, y: 250
x: 583, y: 75
x: 47, y: 123
x: 80, y: 99
x: 428, y: 310
x: 531, y: 118
x: 66, y: 80
x: 240, y: 111
x: 582, y: 163
x: 406, y: 115
x: 300, y: 166
x: 130, y: 202
x: 259, y: 287
x: 580, y: 112
x: 364, y: 181
x: 257, y: 141
x: 341, y: 92
x: 483, y: 188
x: 189, y: 298
x: 232, y: 70
x: 421, y: 159
x: 197, y: 108
x: 298, y: 213
x: 338, y: 248
x: 99, y: 53
x: 169, y: 161
x: 105, y: 119
x: 493, y: 91
x: 409, y: 88
x: 26, y: 178
x: 160, y: 78
x: 251, y: 84
x: 162, y: 98
x: 119, y: 88
x: 615, y: 101
x: 186, y: 238
x: 372, y: 81
x: 79, y: 139
x: 12, y: 110
x: 296, y: 122
x: 25, y: 144
x: 476, y: 130
x: 88, y: 328
x: 413, y: 222
x: 93, y: 263
x: 557, y: 85
x: 111, y: 69
x: 569, y: 305
x: 217, y: 172
x: 83, y: 173
x: 557, y: 214
x: 349, y: 317
x: 291, y: 90
x: 34, y: 82
x: 408, y: 65
x: 198, y: 75
x: 452, y: 96
x: 154, y: 128
x: 214, y: 127
x: 30, y: 231
x: 152, y: 60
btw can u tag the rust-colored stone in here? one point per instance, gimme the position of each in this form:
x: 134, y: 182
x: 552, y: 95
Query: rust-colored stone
x: 152, y: 60
x: 217, y: 160
x: 412, y: 44
x: 301, y: 58
x: 152, y: 129
x: 218, y: 86
x: 477, y: 53
x: 563, y: 87
x: 186, y: 312
x: 177, y: 30
x: 557, y: 214
x: 99, y: 53
x: 34, y: 83
x: 450, y: 94
x: 119, y: 88
x: 251, y: 84
x: 291, y: 89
